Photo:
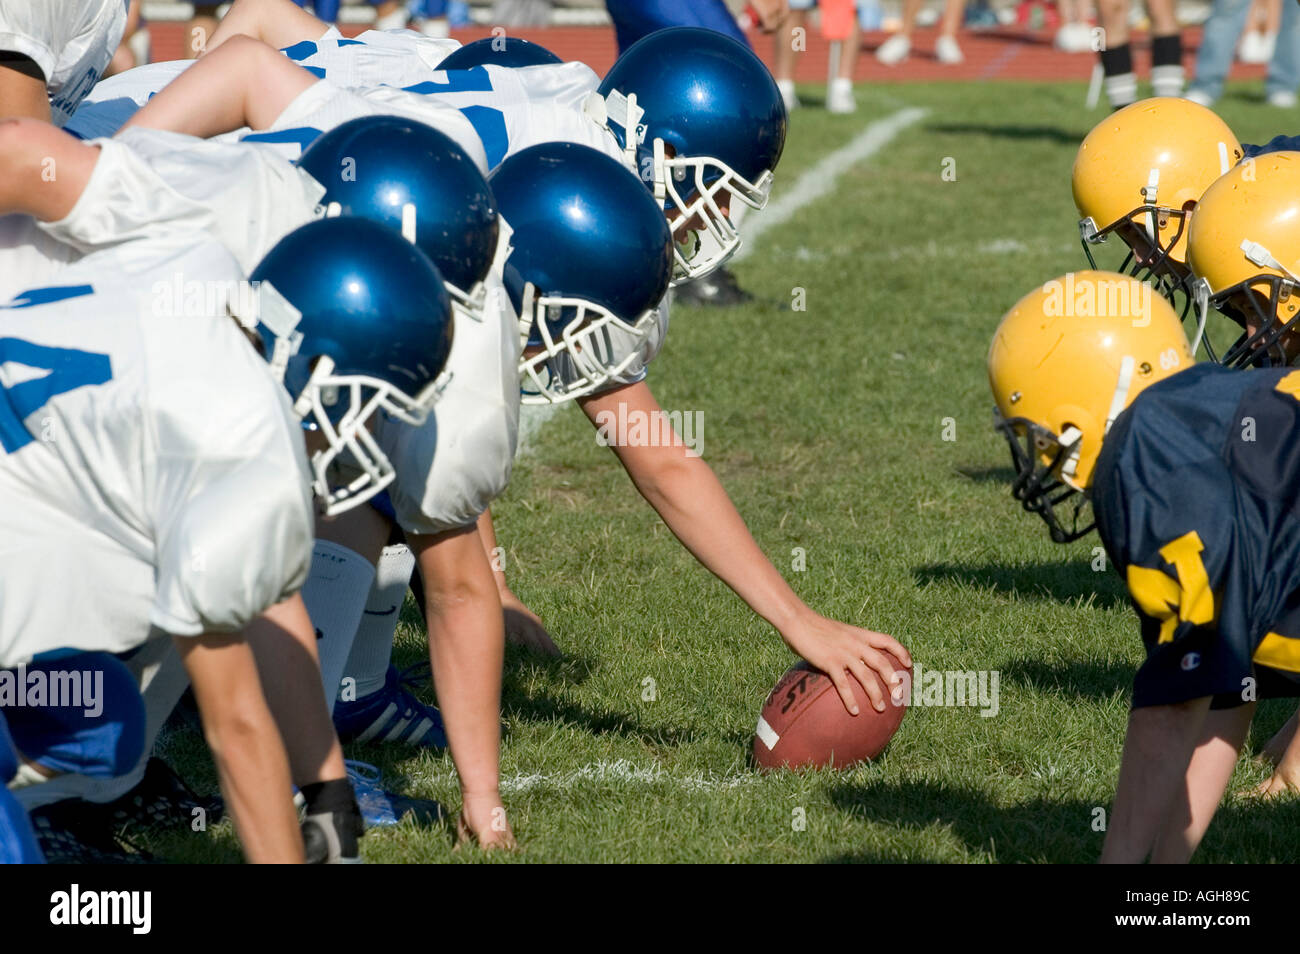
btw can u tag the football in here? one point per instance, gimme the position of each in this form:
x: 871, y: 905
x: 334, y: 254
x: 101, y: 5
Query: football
x: 804, y: 724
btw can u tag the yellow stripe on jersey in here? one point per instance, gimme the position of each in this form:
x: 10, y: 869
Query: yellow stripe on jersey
x: 1277, y: 651
x: 1290, y: 385
x: 1189, y: 599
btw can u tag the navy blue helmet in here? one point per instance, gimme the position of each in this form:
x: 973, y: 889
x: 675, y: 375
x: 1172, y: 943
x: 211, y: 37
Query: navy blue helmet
x: 415, y: 179
x: 511, y: 51
x: 590, y: 259
x: 354, y: 320
x: 706, y: 123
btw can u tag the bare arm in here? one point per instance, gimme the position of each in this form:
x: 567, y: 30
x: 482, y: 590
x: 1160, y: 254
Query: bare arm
x: 686, y: 493
x: 22, y: 90
x: 466, y: 651
x: 523, y: 626
x: 1157, y: 751
x: 284, y: 644
x: 246, y: 746
x: 43, y: 170
x: 245, y: 83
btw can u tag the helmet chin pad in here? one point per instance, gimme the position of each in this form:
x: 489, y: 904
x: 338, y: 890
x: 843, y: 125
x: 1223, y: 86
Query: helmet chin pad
x: 593, y: 346
x: 342, y: 408
x: 689, y: 189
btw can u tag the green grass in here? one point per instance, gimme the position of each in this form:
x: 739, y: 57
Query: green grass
x: 826, y: 425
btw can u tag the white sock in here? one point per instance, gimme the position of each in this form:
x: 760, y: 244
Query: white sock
x: 1122, y: 89
x: 1167, y: 80
x: 373, y: 648
x: 335, y: 594
x: 162, y: 677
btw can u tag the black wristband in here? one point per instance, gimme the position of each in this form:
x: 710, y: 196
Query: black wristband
x: 328, y: 797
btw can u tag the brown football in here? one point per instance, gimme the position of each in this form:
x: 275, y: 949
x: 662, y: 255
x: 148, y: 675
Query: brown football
x: 803, y: 722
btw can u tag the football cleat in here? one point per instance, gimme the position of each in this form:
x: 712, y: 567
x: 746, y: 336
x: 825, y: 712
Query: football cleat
x: 392, y: 714
x: 162, y: 802
x: 381, y: 809
x: 75, y: 832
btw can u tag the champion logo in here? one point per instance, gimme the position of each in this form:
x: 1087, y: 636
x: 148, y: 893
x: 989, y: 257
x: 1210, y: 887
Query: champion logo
x: 1190, y: 661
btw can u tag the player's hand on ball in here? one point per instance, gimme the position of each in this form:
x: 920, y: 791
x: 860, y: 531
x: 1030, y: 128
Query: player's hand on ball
x: 838, y: 649
x: 524, y: 627
x: 482, y: 820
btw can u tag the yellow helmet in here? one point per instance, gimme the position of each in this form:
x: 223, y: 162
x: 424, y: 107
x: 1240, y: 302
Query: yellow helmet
x: 1139, y: 172
x: 1065, y: 361
x: 1244, y: 251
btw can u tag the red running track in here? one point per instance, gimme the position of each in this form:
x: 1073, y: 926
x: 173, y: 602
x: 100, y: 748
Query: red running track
x: 1002, y: 54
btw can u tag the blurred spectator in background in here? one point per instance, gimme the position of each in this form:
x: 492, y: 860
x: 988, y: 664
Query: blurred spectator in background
x: 1075, y: 34
x: 634, y: 19
x: 1227, y: 17
x: 1120, y: 82
x: 1260, y: 39
x: 428, y: 16
x: 897, y: 47
x: 201, y: 26
x: 521, y: 13
x: 133, y: 51
x: 839, y: 93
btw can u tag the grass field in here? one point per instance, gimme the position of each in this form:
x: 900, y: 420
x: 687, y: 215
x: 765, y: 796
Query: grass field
x: 827, y: 427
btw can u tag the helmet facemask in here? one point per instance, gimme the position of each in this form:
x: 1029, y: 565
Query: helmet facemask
x: 689, y: 187
x: 1254, y: 302
x: 573, y: 347
x: 1038, y: 457
x: 340, y: 409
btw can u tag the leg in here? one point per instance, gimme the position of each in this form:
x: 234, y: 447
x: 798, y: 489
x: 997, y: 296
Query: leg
x: 43, y: 170
x: 278, y: 23
x: 1218, y: 40
x: 1284, y: 67
x: 200, y: 30
x: 245, y: 83
x: 1208, y: 775
x: 1283, y: 750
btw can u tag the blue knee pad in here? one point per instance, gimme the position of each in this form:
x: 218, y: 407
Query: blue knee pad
x: 17, y: 840
x: 634, y: 19
x: 97, y: 729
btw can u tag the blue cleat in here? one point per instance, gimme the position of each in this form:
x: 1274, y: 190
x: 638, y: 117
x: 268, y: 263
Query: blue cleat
x: 381, y: 809
x: 392, y: 714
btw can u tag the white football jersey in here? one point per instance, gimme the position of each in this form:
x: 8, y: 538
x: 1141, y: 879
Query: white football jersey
x: 514, y: 108
x: 375, y: 58
x: 28, y: 257
x: 72, y: 41
x: 112, y: 102
x: 322, y: 106
x: 152, y: 473
x: 152, y: 183
x: 450, y: 469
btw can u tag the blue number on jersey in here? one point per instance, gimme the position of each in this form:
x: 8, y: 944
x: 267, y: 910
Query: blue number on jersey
x: 304, y: 136
x: 68, y: 369
x: 488, y: 122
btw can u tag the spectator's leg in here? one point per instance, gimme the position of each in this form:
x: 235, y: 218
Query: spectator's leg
x: 1166, y: 49
x: 200, y: 30
x: 1218, y: 40
x: 1117, y: 56
x: 22, y: 88
x: 897, y: 47
x: 784, y: 54
x: 1284, y: 68
x: 946, y: 48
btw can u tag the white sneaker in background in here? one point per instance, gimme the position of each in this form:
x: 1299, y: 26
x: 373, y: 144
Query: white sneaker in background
x: 839, y: 98
x: 396, y: 20
x: 1199, y: 97
x: 947, y: 51
x: 894, y: 50
x: 1074, y: 38
x: 438, y: 28
x: 1282, y: 99
x: 788, y: 95
x: 1253, y: 48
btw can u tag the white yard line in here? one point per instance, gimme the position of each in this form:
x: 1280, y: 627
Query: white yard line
x: 620, y: 772
x: 815, y: 183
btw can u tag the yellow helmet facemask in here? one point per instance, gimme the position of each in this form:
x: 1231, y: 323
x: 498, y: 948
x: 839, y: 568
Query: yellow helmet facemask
x: 1244, y: 252
x: 1065, y: 361
x: 1139, y: 173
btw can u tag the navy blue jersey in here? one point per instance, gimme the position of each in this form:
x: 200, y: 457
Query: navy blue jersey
x: 1197, y: 499
x: 1276, y: 144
